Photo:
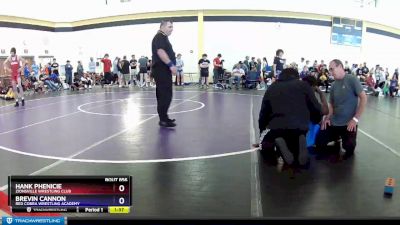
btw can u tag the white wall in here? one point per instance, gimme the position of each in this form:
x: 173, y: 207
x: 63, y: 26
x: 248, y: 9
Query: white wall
x: 382, y: 50
x: 35, y: 41
x: 235, y: 40
x: 73, y: 10
x: 124, y: 40
x: 231, y: 39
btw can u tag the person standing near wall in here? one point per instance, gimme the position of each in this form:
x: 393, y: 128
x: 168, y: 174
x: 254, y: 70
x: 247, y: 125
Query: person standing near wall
x: 92, y: 70
x: 107, y: 79
x: 163, y: 66
x: 35, y: 70
x: 217, y: 66
x: 54, y: 67
x: 279, y: 63
x: 68, y: 73
x: 247, y: 63
x: 80, y: 70
x: 12, y: 65
x: 125, y: 71
x: 116, y: 71
x: 150, y: 79
x: 27, y: 71
x: 179, y: 72
x: 143, y: 70
x: 133, y: 63
x: 204, y: 63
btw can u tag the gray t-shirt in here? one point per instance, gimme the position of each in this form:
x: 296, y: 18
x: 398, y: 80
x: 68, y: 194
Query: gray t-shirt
x: 143, y: 62
x: 344, y: 96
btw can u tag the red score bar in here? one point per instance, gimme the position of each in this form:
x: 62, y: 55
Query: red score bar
x: 69, y: 185
x: 106, y: 188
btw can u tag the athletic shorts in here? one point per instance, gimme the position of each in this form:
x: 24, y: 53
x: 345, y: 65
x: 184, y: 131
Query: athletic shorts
x: 143, y: 70
x: 204, y: 74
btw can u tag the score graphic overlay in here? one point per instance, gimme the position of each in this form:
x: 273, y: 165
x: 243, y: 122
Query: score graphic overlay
x: 76, y: 194
x: 346, y: 31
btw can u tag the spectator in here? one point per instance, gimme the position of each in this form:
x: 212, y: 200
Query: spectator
x: 133, y: 64
x: 253, y: 64
x: 27, y: 73
x: 143, y: 70
x: 279, y: 63
x: 35, y: 70
x: 370, y: 84
x: 365, y: 70
x: 48, y: 82
x: 394, y: 86
x: 54, y: 66
x: 117, y: 77
x: 204, y: 64
x: 380, y: 78
x: 216, y: 70
x: 264, y: 66
x: 125, y: 66
x: 247, y: 64
x: 107, y: 79
x: 304, y: 72
x: 68, y: 73
x: 301, y: 64
x: 92, y: 70
x: 80, y: 70
x: 236, y: 77
x: 347, y: 67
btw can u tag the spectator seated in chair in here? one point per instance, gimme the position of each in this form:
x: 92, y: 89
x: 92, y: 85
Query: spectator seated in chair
x: 56, y: 80
x: 38, y: 85
x: 87, y: 81
x: 7, y: 94
x: 371, y: 85
x: 236, y: 76
x: 77, y: 83
x: 48, y: 82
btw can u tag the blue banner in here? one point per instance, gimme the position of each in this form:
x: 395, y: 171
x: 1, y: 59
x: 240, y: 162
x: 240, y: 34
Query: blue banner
x: 32, y: 220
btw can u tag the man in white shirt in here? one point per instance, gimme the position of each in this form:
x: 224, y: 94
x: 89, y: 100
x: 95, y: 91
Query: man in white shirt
x: 301, y: 65
x: 92, y: 70
x: 237, y: 74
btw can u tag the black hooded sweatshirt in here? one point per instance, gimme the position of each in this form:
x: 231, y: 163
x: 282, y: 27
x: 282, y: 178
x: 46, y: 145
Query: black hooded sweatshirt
x: 289, y: 104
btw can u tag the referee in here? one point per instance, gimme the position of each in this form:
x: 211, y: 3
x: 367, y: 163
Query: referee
x: 163, y: 68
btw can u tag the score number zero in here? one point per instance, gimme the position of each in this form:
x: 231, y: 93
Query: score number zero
x: 121, y: 200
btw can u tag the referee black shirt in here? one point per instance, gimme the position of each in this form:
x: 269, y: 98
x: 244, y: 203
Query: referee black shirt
x: 160, y: 41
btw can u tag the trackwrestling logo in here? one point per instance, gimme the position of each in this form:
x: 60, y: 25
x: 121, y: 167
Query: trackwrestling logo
x: 33, y: 220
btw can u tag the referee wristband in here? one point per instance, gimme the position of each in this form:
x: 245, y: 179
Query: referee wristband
x: 170, y: 64
x: 355, y: 119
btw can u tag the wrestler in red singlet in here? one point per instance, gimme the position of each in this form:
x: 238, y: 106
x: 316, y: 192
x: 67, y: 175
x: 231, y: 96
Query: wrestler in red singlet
x: 14, y: 61
x: 14, y: 68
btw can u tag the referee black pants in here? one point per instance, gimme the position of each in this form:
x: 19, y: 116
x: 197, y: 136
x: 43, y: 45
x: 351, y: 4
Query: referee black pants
x: 163, y: 77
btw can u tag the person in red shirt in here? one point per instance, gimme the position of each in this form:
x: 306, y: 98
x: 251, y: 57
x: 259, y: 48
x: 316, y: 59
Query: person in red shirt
x: 217, y: 68
x: 107, y: 70
x: 12, y: 65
